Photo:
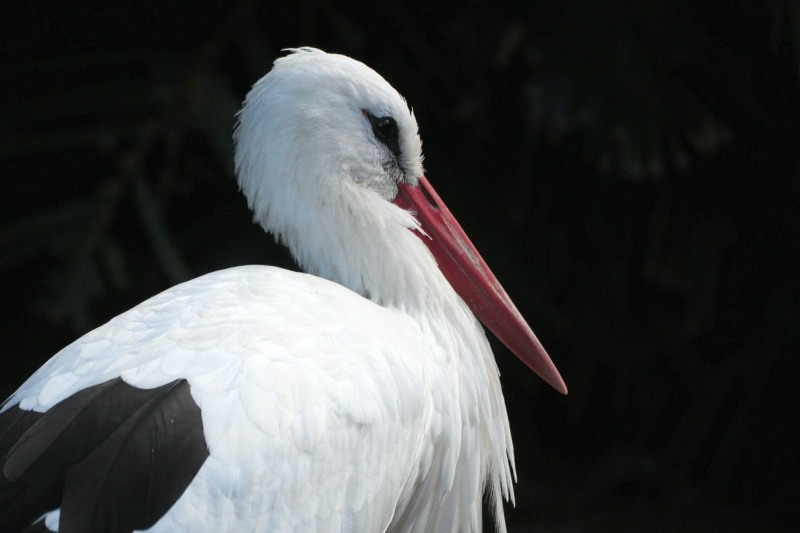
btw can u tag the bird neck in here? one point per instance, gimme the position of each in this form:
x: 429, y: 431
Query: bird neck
x: 369, y: 245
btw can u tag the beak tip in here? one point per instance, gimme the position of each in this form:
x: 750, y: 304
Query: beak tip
x: 554, y: 379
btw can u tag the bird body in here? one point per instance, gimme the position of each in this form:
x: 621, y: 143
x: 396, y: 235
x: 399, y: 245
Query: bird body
x: 309, y: 394
x: 363, y: 397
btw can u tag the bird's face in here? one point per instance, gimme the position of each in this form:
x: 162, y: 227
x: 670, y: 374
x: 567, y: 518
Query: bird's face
x: 329, y: 122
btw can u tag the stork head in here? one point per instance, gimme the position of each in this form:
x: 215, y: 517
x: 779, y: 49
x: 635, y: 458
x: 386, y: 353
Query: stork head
x: 326, y: 152
x: 318, y: 116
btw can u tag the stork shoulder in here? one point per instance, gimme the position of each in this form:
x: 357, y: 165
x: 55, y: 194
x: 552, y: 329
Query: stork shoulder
x: 209, y: 329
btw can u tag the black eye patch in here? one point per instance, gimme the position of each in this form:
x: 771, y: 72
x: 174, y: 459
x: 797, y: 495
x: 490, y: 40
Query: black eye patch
x: 385, y: 130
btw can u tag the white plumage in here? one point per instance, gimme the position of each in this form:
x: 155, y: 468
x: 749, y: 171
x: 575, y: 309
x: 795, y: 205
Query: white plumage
x: 365, y: 399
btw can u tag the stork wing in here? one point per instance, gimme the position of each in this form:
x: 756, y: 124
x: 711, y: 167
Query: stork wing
x: 248, y: 399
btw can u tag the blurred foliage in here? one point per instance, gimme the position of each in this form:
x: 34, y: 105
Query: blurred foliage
x: 631, y: 169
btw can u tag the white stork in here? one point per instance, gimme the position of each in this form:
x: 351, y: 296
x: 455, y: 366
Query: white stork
x: 360, y: 397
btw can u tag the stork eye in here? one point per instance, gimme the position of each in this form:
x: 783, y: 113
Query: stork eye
x: 385, y: 130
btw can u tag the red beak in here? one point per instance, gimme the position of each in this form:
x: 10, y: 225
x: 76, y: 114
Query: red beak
x: 469, y: 275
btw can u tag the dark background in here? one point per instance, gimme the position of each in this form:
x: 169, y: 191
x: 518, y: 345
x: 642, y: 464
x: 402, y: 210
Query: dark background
x: 630, y: 169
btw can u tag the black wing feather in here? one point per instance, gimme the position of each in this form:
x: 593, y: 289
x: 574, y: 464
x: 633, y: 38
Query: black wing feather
x: 113, y: 457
